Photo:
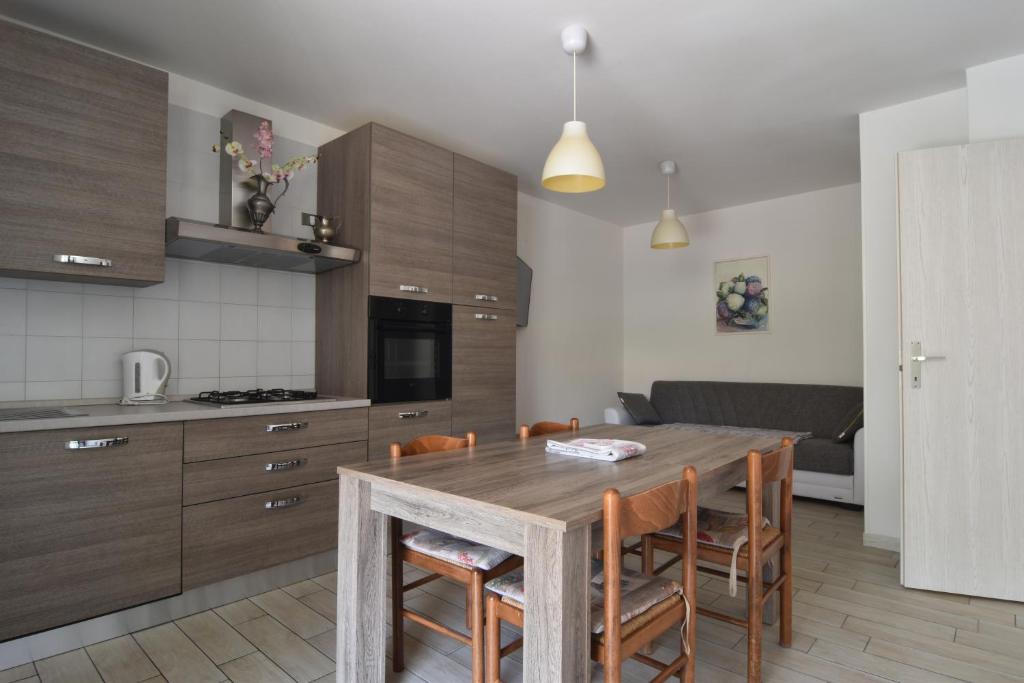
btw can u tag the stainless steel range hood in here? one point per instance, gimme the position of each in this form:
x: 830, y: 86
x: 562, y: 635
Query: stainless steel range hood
x: 224, y: 244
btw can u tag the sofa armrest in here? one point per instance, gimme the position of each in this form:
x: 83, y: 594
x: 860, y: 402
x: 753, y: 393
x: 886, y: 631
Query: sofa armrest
x: 617, y: 415
x: 858, y: 467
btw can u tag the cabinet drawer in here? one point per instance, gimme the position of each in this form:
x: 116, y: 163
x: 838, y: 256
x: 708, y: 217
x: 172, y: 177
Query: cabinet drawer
x: 226, y: 438
x: 233, y: 477
x: 90, y: 529
x: 228, y: 538
x: 403, y: 422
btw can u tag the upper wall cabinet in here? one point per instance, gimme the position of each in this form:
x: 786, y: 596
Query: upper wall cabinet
x: 410, y: 217
x: 485, y: 235
x: 83, y: 140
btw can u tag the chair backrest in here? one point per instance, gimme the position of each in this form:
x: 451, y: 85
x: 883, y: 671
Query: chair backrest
x: 432, y: 443
x: 548, y: 427
x: 643, y: 513
x: 767, y: 468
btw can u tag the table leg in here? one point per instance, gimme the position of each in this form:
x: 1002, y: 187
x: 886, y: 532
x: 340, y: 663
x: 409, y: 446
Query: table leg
x: 362, y: 535
x: 771, y: 570
x: 556, y: 629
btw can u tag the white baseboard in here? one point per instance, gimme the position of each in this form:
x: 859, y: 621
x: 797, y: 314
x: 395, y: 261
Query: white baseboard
x: 882, y: 541
x: 66, y: 638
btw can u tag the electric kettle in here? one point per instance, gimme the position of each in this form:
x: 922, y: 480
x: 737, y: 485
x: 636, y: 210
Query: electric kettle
x: 145, y: 378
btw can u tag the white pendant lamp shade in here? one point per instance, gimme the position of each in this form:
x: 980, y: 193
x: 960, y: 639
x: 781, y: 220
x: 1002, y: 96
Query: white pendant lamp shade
x: 574, y: 164
x: 669, y: 233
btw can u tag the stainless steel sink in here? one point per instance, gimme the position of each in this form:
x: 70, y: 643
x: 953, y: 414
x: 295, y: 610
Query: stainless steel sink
x: 38, y: 413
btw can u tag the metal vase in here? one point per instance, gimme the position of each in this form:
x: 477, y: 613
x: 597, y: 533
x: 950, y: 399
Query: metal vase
x: 259, y: 205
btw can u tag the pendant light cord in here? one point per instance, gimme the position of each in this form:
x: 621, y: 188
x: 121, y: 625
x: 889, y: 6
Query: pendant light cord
x: 573, y: 86
x: 668, y: 192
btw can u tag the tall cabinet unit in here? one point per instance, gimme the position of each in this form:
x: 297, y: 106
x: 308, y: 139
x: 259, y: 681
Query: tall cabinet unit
x: 85, y: 134
x: 433, y: 226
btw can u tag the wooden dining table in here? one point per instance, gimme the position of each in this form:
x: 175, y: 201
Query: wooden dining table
x: 514, y: 496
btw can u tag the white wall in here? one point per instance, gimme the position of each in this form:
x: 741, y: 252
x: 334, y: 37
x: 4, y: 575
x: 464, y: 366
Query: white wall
x: 995, y: 99
x: 569, y: 358
x: 929, y: 122
x: 813, y: 241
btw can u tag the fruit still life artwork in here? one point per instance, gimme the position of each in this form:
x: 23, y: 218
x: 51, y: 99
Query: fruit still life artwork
x: 741, y: 295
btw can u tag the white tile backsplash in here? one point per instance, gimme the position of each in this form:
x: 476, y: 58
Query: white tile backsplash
x: 50, y: 359
x: 57, y: 314
x: 107, y: 316
x: 64, y: 340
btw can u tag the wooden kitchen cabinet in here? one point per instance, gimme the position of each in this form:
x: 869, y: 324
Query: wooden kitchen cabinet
x: 84, y: 136
x: 484, y: 372
x: 484, y: 235
x: 403, y: 422
x: 87, y: 530
x: 410, y: 217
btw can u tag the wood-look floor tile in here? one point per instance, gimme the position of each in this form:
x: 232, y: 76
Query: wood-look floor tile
x: 18, y: 673
x: 815, y: 666
x: 328, y: 581
x: 155, y: 679
x: 254, y: 668
x: 237, y: 612
x: 819, y: 630
x: 295, y: 615
x: 431, y: 665
x: 177, y: 657
x: 872, y: 664
x: 121, y: 660
x: 215, y: 637
x: 326, y: 642
x: 898, y: 606
x: 299, y: 659
x: 70, y: 667
x: 297, y: 590
x: 323, y: 602
x: 880, y: 615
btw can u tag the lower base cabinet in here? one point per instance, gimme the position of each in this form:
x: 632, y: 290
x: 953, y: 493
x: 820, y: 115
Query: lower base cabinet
x: 228, y: 538
x: 90, y: 523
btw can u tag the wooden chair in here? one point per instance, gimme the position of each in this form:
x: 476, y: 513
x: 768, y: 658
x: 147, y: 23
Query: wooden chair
x: 615, y: 639
x: 763, y: 543
x: 471, y: 576
x: 548, y: 427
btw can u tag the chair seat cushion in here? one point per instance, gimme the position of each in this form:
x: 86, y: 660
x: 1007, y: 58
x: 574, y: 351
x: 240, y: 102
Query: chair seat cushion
x: 453, y: 549
x: 639, y: 593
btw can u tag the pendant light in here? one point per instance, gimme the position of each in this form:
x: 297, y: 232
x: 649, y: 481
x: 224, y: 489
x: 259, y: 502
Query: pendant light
x: 669, y: 233
x: 574, y: 164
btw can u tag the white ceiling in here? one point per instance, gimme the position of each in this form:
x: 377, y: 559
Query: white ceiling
x: 753, y: 98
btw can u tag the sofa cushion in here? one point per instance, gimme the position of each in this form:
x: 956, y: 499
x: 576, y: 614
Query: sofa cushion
x: 824, y: 455
x: 639, y: 408
x: 793, y: 407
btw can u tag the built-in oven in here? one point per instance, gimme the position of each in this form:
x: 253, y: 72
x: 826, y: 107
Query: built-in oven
x: 410, y: 350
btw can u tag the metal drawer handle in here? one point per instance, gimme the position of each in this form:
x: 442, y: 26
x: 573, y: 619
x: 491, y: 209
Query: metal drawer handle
x: 83, y: 260
x: 286, y: 465
x: 282, y: 503
x: 413, y: 288
x: 287, y: 426
x: 485, y: 297
x: 485, y: 316
x: 96, y: 443
x: 407, y: 414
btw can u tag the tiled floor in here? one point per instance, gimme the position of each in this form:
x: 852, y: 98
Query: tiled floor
x: 853, y: 623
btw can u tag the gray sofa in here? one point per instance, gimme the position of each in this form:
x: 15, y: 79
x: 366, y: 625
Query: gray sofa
x: 824, y: 469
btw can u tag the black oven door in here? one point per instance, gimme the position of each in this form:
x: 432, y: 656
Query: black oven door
x: 409, y: 361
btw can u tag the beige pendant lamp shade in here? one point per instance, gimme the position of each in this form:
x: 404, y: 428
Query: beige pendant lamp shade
x: 669, y: 233
x: 574, y: 164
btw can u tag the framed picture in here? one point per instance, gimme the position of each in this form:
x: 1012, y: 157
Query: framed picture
x: 742, y: 296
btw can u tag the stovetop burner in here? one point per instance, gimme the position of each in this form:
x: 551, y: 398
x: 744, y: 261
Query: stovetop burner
x: 253, y: 396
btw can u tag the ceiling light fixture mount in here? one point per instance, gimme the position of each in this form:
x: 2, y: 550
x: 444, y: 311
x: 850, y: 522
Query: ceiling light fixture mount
x: 669, y: 233
x: 574, y: 164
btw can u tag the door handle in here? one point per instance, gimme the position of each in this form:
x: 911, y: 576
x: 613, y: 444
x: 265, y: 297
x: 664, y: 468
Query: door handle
x: 917, y: 356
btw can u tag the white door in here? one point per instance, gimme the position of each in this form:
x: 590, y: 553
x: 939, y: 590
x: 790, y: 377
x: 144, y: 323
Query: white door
x: 962, y: 300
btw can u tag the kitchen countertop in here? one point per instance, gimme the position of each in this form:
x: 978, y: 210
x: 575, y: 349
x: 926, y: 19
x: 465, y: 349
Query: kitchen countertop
x: 107, y: 414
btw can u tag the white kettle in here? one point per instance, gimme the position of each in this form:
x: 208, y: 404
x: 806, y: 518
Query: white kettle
x: 145, y: 378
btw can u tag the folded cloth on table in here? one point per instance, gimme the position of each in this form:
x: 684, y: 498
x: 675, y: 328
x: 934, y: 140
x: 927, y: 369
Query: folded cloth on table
x: 610, y: 450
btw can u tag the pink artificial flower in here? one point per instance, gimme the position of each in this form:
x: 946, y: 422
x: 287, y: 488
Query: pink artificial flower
x: 264, y: 140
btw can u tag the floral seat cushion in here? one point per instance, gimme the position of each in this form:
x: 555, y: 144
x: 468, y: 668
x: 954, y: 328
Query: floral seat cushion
x: 728, y: 530
x: 639, y: 593
x: 454, y: 549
